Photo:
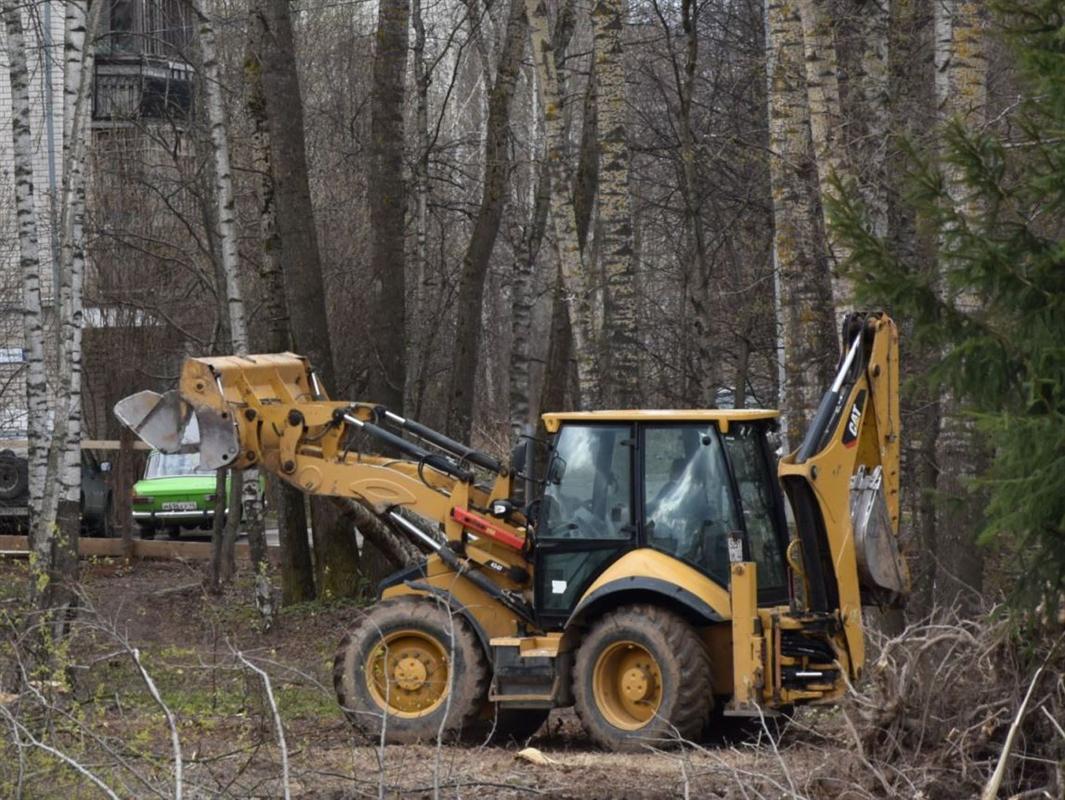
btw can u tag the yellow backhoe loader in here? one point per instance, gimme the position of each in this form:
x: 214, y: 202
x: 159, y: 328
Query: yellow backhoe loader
x: 651, y: 575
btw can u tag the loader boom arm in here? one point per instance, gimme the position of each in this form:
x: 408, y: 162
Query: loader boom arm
x: 270, y: 412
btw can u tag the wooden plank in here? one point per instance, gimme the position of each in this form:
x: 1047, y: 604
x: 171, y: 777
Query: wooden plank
x: 172, y: 550
x: 111, y: 444
x: 86, y: 444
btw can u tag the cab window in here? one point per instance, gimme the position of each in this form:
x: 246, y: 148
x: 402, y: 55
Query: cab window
x: 688, y: 505
x: 745, y: 445
x: 589, y: 484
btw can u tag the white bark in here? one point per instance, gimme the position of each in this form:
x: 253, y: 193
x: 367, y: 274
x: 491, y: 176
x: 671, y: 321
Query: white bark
x: 804, y: 307
x: 826, y: 129
x: 874, y: 82
x: 226, y: 218
x: 621, y: 382
x: 63, y: 477
x: 562, y: 213
x: 30, y: 267
x: 961, y: 96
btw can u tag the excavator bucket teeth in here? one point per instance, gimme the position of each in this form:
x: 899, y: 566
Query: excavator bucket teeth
x: 160, y: 420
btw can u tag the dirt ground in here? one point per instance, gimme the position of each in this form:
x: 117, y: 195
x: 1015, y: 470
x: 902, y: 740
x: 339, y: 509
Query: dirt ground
x: 196, y: 649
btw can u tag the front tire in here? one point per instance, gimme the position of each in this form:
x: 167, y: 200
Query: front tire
x: 412, y: 668
x: 642, y: 676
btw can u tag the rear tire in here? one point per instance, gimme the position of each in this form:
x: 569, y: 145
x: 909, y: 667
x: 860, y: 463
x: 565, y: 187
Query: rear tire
x: 642, y: 677
x: 384, y: 672
x: 147, y: 532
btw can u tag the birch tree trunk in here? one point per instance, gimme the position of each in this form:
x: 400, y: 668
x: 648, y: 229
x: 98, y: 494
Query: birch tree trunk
x: 30, y: 267
x: 486, y: 227
x: 223, y: 564
x: 574, y: 278
x: 297, y: 567
x: 225, y: 207
x: 521, y: 299
x: 826, y: 128
x: 386, y: 331
x: 804, y: 307
x: 621, y: 375
x: 874, y: 84
x: 961, y: 96
x: 63, y: 484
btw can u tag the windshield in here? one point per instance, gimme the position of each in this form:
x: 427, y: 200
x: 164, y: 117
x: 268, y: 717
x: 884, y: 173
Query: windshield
x: 170, y: 465
x: 588, y: 484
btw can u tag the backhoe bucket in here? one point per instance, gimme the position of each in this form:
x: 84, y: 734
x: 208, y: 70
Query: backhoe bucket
x: 882, y: 569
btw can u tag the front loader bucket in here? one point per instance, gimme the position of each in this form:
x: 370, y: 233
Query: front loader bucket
x: 163, y: 421
x: 160, y: 420
x: 203, y: 415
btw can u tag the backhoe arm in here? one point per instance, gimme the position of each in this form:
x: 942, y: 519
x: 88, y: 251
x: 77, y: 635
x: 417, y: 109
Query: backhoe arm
x: 843, y: 483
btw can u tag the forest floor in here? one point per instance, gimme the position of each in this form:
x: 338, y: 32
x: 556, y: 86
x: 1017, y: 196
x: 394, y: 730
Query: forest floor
x: 196, y: 646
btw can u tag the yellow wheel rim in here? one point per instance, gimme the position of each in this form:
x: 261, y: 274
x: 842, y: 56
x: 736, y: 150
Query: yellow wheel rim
x: 627, y: 684
x: 407, y: 673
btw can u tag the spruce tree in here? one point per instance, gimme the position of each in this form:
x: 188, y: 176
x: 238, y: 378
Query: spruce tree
x: 1006, y: 250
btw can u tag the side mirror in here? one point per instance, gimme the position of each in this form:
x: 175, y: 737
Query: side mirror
x: 556, y: 469
x: 518, y: 457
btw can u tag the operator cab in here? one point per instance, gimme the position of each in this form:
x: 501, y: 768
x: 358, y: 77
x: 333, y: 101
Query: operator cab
x: 698, y: 485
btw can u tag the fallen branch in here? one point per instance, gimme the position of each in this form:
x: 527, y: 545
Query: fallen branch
x: 277, y: 720
x: 995, y: 781
x: 175, y: 741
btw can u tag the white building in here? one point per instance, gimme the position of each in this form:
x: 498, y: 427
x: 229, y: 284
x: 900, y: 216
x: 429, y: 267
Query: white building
x: 141, y: 75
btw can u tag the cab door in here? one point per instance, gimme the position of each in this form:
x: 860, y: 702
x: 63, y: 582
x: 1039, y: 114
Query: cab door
x: 586, y: 515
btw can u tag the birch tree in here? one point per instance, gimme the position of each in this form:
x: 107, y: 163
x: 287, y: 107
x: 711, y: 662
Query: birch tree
x: 874, y: 89
x: 826, y: 129
x: 803, y: 284
x: 621, y: 378
x: 61, y: 508
x: 568, y: 249
x: 37, y: 404
x: 223, y: 562
x: 225, y: 206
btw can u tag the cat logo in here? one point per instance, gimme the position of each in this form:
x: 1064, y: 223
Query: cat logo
x: 850, y: 433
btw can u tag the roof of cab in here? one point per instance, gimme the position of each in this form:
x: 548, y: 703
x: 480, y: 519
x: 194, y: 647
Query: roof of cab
x: 553, y: 421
